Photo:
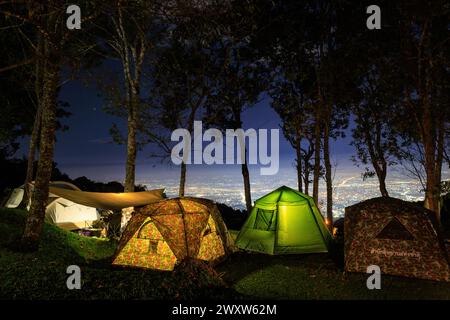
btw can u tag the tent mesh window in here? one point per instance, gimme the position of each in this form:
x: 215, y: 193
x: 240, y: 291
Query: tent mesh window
x: 208, y: 230
x: 144, y: 234
x: 153, y: 246
x: 395, y: 230
x: 265, y: 220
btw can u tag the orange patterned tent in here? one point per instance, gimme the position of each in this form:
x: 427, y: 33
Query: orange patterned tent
x: 162, y: 234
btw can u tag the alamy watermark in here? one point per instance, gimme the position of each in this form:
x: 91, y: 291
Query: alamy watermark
x: 374, y: 280
x: 74, y: 280
x: 374, y: 20
x: 73, y: 22
x: 213, y: 153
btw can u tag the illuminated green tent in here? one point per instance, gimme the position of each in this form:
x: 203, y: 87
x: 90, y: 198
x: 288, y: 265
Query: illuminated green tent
x: 284, y: 221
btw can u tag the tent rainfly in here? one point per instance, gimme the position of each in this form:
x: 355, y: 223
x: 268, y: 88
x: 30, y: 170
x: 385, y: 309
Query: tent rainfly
x: 70, y: 208
x: 110, y: 200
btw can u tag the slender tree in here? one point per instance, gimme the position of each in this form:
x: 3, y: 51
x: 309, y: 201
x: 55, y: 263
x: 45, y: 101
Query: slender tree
x: 34, y: 138
x: 240, y: 74
x: 237, y: 89
x: 47, y: 20
x: 308, y: 166
x: 329, y: 116
x: 374, y: 136
x: 290, y: 102
x: 51, y: 47
x: 181, y: 87
x: 131, y: 33
x: 424, y: 59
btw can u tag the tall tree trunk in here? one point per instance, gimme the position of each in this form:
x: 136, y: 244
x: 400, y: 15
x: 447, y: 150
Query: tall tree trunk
x: 438, y: 165
x: 181, y: 189
x: 34, y: 140
x: 328, y: 178
x: 376, y: 154
x: 298, y: 152
x: 431, y: 169
x: 379, y: 160
x: 183, y: 169
x: 426, y: 123
x: 317, y: 148
x: 430, y: 135
x: 306, y: 165
x: 432, y: 185
x: 248, y: 196
x: 130, y: 169
x: 381, y: 174
x: 36, y: 216
x: 244, y: 167
x: 132, y: 56
x: 379, y: 164
x: 306, y: 179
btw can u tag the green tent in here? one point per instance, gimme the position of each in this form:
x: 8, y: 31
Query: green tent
x: 284, y: 221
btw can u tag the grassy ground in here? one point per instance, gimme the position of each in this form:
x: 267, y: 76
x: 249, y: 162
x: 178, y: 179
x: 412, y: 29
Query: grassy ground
x: 316, y: 276
x: 42, y: 275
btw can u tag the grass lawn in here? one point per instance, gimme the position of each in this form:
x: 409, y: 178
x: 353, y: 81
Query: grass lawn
x: 42, y: 275
x: 316, y: 276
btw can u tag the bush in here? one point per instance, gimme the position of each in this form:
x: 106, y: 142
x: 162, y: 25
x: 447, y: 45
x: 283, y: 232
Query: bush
x: 194, y: 279
x: 234, y: 219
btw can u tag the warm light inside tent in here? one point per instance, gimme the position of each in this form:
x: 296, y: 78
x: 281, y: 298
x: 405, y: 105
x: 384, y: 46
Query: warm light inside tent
x: 334, y: 231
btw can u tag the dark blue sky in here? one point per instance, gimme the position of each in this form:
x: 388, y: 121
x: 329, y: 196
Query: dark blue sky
x: 87, y: 148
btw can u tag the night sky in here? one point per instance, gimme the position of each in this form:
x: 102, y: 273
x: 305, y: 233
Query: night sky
x: 87, y: 148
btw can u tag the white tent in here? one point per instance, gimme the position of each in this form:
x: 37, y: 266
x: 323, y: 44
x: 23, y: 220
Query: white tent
x: 60, y: 211
x: 70, y: 208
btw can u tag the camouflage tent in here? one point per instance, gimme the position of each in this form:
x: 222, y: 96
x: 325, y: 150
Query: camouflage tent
x: 162, y: 234
x: 398, y: 236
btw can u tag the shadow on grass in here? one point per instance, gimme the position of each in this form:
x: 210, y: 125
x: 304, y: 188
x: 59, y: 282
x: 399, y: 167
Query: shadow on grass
x: 317, y: 276
x: 242, y: 264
